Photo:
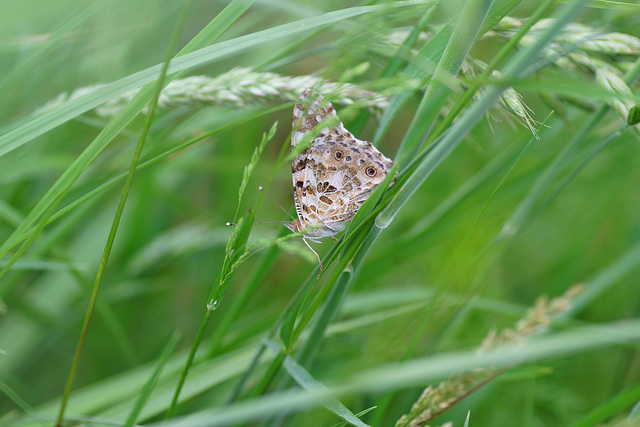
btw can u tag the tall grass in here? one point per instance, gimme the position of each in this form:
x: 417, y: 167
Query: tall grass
x: 514, y: 186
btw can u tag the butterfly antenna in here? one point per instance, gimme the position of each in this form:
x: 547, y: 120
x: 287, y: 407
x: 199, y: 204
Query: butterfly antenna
x: 276, y: 202
x: 267, y: 222
x: 317, y: 256
x: 262, y: 222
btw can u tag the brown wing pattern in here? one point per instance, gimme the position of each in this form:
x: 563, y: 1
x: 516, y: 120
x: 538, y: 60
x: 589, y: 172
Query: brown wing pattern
x: 335, y: 174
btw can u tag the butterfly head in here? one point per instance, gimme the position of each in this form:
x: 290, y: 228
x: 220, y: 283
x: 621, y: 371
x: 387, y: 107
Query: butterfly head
x: 293, y: 225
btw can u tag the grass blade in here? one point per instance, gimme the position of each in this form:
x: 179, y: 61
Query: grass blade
x: 153, y: 380
x: 462, y: 38
x: 187, y: 60
x: 418, y: 371
x: 522, y: 212
x: 613, y: 406
x: 116, y: 219
x: 307, y: 382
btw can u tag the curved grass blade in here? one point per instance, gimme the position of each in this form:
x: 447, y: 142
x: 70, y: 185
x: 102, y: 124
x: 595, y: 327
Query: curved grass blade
x: 139, y: 101
x: 235, y: 250
x: 307, y: 382
x: 153, y: 380
x: 417, y: 372
x: 118, y: 215
x: 458, y: 46
x: 111, y: 182
x: 424, y: 63
x: 613, y: 406
x: 524, y: 209
x: 453, y: 136
x: 47, y: 204
x: 189, y: 58
x: 605, y: 279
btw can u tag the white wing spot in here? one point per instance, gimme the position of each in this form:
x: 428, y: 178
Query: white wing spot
x: 297, y: 137
x: 310, y: 112
x: 296, y: 112
x: 318, y: 118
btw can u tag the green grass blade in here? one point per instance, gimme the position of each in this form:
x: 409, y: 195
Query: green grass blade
x: 359, y: 415
x: 248, y: 170
x: 501, y: 183
x: 83, y: 12
x: 240, y: 302
x: 496, y: 62
x: 522, y: 212
x: 20, y: 402
x: 236, y: 248
x: 611, y: 407
x: 187, y: 60
x: 463, y: 37
x: 307, y: 382
x: 285, y: 326
x: 69, y: 177
x: 111, y: 182
x: 419, y: 371
x: 394, y: 67
x: 467, y: 419
x: 153, y: 380
x: 117, y: 217
x: 465, y: 191
x: 72, y: 109
x: 287, y: 318
x: 326, y: 316
x: 450, y: 140
x: 189, y: 362
x: 423, y: 64
x: 602, y: 282
x: 420, y: 68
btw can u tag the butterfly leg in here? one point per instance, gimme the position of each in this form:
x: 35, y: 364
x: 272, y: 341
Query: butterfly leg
x: 316, y: 253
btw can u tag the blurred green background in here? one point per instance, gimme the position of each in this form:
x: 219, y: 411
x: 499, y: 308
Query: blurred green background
x: 435, y: 281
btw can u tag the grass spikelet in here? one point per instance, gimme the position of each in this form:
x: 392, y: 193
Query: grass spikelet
x: 248, y: 169
x: 237, y: 88
x: 435, y: 400
x: 580, y: 47
x: 612, y: 80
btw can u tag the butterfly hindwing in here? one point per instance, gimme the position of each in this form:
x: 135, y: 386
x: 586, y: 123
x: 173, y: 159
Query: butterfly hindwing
x: 336, y: 173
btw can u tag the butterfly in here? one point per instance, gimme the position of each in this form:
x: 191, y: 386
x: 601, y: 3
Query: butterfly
x: 334, y: 176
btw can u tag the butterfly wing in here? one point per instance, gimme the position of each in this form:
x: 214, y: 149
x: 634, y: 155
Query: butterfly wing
x: 334, y: 176
x: 357, y: 169
x: 309, y: 111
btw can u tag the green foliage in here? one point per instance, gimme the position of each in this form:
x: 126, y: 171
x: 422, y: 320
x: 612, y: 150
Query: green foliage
x: 634, y: 116
x: 477, y: 221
